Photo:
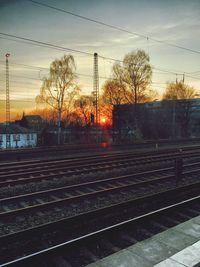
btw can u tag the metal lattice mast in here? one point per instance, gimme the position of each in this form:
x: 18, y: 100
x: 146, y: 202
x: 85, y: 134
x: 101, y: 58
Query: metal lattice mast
x: 7, y: 103
x: 96, y: 87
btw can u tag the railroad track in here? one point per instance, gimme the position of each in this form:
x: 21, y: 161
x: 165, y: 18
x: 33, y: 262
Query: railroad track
x: 100, y: 232
x: 54, y: 151
x: 48, y: 170
x: 76, y: 186
x: 103, y: 156
x: 39, y: 166
x: 141, y: 179
x: 13, y: 208
x: 19, y: 173
x: 20, y: 204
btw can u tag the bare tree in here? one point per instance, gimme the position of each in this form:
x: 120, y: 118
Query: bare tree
x: 114, y: 93
x: 59, y: 89
x: 84, y: 108
x: 135, y: 73
x: 179, y: 90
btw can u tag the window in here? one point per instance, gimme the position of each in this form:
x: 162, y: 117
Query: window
x: 1, y: 138
x: 7, y: 137
x: 16, y: 137
x: 28, y: 137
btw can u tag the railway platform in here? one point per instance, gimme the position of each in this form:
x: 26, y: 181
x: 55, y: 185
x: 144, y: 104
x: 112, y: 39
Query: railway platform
x: 178, y: 246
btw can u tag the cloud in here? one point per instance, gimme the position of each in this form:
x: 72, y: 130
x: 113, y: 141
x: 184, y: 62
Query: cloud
x: 174, y: 21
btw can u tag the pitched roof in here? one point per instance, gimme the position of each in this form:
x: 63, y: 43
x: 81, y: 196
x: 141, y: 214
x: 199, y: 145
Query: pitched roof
x: 13, y: 129
x: 33, y: 117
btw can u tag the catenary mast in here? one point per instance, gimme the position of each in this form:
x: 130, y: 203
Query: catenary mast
x: 7, y: 103
x: 96, y: 88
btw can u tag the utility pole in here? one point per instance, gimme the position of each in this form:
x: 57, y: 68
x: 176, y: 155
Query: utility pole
x: 96, y: 88
x: 8, y: 144
x: 183, y: 78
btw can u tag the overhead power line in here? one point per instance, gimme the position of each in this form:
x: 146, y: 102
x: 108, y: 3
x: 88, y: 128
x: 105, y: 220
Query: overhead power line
x: 27, y: 66
x: 85, y: 75
x: 49, y: 45
x: 196, y: 78
x: 42, y: 68
x: 115, y: 27
x: 45, y: 44
x: 18, y: 100
x: 39, y: 68
x: 88, y: 75
x: 103, y: 57
x: 26, y: 77
x: 86, y: 18
x: 13, y: 81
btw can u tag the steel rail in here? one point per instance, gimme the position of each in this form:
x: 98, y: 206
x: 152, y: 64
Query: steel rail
x: 75, y: 162
x: 10, y: 181
x: 84, y: 186
x: 96, y: 192
x: 27, y: 176
x: 57, y: 165
x: 48, y: 251
x: 93, y: 157
x: 63, y: 188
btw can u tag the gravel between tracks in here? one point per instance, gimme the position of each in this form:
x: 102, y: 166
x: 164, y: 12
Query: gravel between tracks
x: 67, y: 179
x: 60, y: 211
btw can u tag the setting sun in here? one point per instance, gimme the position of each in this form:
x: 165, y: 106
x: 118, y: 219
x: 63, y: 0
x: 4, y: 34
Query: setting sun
x: 103, y: 120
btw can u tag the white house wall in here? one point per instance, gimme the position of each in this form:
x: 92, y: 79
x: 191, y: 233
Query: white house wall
x: 23, y: 142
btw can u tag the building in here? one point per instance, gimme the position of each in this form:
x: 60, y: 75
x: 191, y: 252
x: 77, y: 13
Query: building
x: 33, y: 122
x: 168, y: 119
x: 19, y: 136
